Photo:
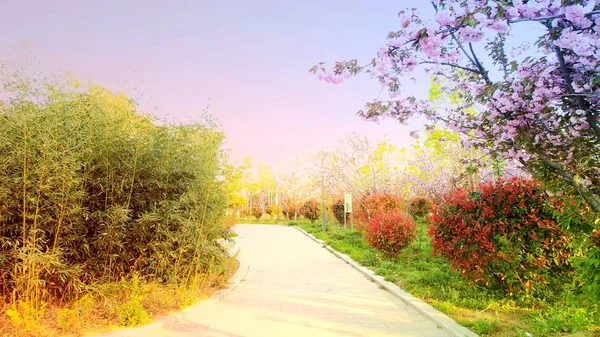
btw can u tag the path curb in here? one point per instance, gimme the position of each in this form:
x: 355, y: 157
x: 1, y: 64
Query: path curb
x: 443, y: 321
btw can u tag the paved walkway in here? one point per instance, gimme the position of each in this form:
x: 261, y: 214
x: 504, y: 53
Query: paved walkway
x: 294, y: 287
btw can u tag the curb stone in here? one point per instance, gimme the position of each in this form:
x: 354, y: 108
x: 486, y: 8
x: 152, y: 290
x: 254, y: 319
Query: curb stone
x: 442, y: 320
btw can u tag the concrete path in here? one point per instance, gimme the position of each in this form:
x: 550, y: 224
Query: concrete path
x: 294, y: 287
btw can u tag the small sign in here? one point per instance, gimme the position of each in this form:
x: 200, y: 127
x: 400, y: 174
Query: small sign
x: 348, y: 203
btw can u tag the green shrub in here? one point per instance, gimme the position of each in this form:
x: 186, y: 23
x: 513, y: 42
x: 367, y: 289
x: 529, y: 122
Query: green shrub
x: 92, y: 191
x: 67, y: 320
x: 419, y: 206
x: 132, y: 311
x: 71, y: 319
x: 390, y: 232
x: 503, y: 235
x: 373, y: 205
x: 311, y: 210
x: 245, y: 212
x: 564, y: 319
x: 272, y: 210
x: 25, y: 316
x: 588, y: 266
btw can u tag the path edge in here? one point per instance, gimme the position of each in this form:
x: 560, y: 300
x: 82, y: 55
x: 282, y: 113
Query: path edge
x: 439, y: 318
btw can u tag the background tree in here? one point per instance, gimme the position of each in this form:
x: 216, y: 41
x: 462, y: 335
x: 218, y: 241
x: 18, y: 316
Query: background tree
x: 541, y: 110
x: 356, y: 166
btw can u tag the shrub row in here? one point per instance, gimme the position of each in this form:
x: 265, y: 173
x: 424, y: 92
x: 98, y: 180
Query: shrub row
x: 503, y: 234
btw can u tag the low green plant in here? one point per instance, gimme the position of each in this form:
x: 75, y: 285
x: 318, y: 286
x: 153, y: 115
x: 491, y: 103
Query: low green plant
x: 568, y: 319
x: 67, y: 320
x: 132, y: 311
x: 483, y: 327
x: 72, y: 319
x: 587, y: 264
x: 26, y: 317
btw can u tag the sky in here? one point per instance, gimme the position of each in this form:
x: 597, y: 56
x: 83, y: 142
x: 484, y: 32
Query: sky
x: 247, y: 61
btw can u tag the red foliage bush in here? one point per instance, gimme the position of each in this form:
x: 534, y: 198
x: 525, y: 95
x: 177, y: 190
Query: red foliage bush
x: 257, y: 212
x: 502, y: 235
x: 420, y: 206
x: 269, y: 209
x: 311, y: 210
x: 373, y: 205
x: 595, y: 237
x: 245, y: 212
x: 338, y: 210
x: 289, y: 209
x: 390, y: 232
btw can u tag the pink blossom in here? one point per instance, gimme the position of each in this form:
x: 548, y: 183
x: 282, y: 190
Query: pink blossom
x: 444, y: 18
x: 520, y: 109
x: 499, y: 26
x: 470, y: 34
x: 576, y: 14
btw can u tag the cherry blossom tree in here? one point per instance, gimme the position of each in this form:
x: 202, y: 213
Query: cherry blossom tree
x: 535, y: 102
x: 361, y: 167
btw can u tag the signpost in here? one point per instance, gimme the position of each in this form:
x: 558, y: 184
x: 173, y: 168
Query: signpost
x: 347, y: 206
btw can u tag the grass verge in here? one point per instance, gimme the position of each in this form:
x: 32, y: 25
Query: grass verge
x: 485, y: 312
x: 127, y: 303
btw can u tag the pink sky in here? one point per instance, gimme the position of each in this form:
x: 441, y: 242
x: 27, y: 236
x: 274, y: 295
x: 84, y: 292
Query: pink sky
x: 249, y: 59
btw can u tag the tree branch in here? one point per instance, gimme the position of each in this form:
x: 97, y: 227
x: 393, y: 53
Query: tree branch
x: 591, y: 119
x: 592, y: 199
x: 549, y: 17
x: 582, y: 95
x: 479, y: 65
x: 462, y: 48
x: 452, y: 65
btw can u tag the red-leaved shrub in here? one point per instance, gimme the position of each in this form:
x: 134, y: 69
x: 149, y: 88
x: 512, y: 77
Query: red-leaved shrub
x: 269, y: 209
x: 419, y: 206
x: 338, y: 210
x: 257, y: 212
x: 595, y: 237
x: 390, y: 232
x: 289, y: 208
x: 311, y: 210
x: 272, y: 210
x: 502, y: 235
x: 373, y: 205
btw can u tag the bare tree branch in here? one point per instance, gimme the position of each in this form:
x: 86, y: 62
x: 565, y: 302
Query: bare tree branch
x: 452, y: 65
x: 592, y: 199
x: 479, y: 65
x: 590, y: 117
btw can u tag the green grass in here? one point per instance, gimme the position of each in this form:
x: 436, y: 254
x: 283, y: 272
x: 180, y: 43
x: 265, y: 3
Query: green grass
x: 486, y: 312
